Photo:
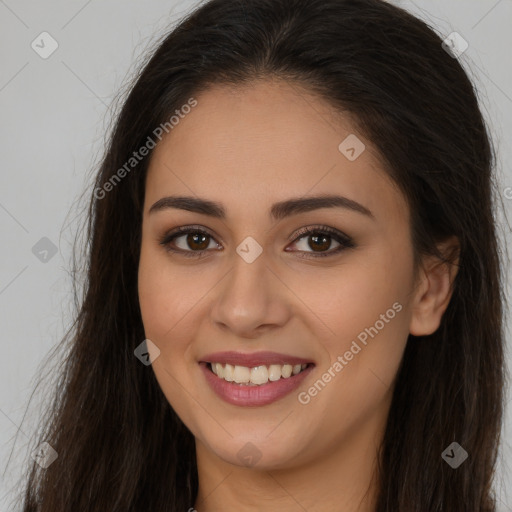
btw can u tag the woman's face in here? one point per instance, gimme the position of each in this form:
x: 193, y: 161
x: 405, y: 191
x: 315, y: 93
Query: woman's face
x: 339, y: 301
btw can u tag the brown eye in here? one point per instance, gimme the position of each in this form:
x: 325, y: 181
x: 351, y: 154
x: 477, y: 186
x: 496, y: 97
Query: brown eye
x: 197, y: 241
x: 319, y: 240
x: 194, y: 241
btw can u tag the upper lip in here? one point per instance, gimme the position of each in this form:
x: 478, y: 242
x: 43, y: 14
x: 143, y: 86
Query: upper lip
x: 253, y: 359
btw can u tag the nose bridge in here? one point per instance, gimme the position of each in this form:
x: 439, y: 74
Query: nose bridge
x: 249, y: 298
x: 248, y: 276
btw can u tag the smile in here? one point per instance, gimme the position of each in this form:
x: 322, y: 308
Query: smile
x: 252, y: 394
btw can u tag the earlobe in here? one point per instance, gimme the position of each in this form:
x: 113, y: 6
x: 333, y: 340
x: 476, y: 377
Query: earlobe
x: 434, y: 290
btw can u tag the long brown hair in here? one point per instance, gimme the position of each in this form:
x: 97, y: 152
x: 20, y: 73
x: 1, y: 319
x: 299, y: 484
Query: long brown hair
x: 121, y: 446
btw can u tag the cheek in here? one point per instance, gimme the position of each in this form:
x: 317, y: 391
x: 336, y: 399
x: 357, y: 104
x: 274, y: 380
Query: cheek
x: 353, y: 297
x: 368, y: 320
x: 370, y: 289
x: 171, y: 299
x: 159, y: 303
x: 165, y: 295
x: 166, y: 323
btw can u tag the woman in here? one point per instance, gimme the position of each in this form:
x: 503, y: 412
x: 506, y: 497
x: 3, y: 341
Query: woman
x: 294, y: 298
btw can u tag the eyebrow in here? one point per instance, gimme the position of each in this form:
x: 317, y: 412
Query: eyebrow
x: 278, y: 210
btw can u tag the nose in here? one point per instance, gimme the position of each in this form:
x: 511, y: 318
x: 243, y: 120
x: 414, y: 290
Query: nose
x: 251, y: 300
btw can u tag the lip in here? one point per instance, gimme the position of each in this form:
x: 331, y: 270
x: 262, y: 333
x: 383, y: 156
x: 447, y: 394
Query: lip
x: 253, y: 396
x: 253, y: 359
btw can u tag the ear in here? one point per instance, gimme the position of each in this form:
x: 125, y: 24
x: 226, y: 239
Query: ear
x: 434, y: 289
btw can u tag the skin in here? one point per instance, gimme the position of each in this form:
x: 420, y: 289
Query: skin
x: 248, y: 148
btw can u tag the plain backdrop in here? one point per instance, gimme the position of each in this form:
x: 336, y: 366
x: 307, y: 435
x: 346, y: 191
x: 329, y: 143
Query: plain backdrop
x: 54, y: 115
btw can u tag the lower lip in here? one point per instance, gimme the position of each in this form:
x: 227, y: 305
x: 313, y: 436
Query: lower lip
x: 252, y: 396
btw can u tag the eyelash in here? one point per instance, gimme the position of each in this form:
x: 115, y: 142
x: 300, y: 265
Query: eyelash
x: 344, y: 241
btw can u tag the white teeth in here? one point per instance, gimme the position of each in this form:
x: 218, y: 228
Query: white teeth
x: 257, y: 375
x: 242, y: 374
x: 274, y: 372
x: 228, y: 373
x: 286, y: 370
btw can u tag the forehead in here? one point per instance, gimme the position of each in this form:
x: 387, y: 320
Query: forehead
x: 264, y: 142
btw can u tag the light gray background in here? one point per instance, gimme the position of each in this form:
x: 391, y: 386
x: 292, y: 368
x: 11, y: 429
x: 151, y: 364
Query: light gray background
x: 54, y: 115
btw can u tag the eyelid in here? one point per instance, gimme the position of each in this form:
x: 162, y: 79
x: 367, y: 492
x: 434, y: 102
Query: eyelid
x: 318, y: 228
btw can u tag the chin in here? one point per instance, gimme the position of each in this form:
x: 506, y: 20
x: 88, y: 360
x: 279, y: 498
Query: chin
x: 258, y: 453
